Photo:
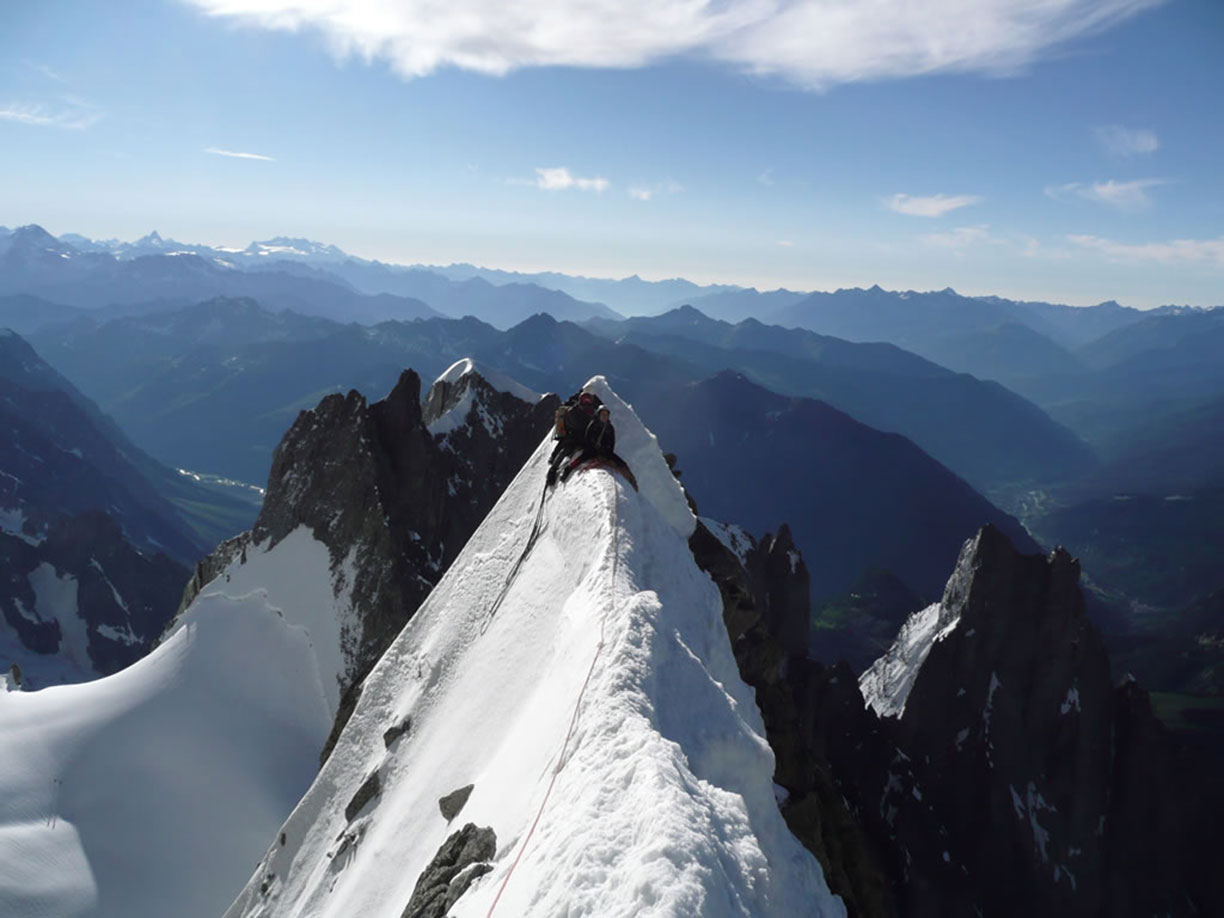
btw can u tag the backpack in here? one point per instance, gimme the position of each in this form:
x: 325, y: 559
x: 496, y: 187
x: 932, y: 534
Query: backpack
x: 590, y: 404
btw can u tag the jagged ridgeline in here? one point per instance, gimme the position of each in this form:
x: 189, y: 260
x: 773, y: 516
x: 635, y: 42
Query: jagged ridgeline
x: 561, y: 727
x: 392, y: 491
x: 583, y: 701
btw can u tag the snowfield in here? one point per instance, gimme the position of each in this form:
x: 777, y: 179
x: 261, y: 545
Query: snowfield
x: 152, y: 792
x: 597, y: 711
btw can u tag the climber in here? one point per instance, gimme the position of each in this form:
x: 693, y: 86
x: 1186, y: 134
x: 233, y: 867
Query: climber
x: 600, y: 434
x: 573, y: 419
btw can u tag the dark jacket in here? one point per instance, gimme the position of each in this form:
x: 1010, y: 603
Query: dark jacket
x: 601, y: 437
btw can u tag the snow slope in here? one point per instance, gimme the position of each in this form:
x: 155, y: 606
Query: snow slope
x: 151, y: 792
x: 591, y: 699
x: 499, y: 381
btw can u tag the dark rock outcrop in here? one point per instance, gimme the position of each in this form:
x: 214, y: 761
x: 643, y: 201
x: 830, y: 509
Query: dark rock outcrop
x: 85, y: 576
x: 1006, y: 775
x: 370, y: 788
x: 1018, y: 780
x: 393, y: 501
x: 766, y: 609
x: 463, y: 857
x: 453, y: 803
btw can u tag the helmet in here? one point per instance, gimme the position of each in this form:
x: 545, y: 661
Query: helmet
x: 586, y: 400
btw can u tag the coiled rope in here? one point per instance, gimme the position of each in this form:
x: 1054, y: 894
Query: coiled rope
x: 577, y: 704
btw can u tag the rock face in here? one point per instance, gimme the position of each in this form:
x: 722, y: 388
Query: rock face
x: 1020, y: 782
x: 764, y: 586
x: 82, y: 602
x: 995, y: 770
x: 463, y: 857
x: 393, y: 500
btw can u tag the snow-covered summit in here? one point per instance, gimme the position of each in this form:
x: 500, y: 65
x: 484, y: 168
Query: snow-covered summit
x: 573, y: 669
x: 499, y: 381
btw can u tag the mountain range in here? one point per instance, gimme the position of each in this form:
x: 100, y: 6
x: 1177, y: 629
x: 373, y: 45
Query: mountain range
x: 604, y: 702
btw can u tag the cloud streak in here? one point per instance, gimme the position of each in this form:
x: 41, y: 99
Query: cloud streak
x: 932, y: 206
x: 810, y: 43
x: 559, y: 178
x: 72, y: 114
x: 1124, y: 196
x: 237, y: 155
x: 649, y: 192
x: 1175, y: 252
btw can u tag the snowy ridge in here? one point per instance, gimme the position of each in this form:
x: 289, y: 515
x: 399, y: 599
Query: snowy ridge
x: 602, y: 699
x: 887, y: 682
x: 499, y: 381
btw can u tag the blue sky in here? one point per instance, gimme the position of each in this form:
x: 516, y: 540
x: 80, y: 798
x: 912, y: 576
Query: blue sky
x: 1067, y: 150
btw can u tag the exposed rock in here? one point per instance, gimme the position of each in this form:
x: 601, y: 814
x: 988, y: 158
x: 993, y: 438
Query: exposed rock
x: 370, y: 788
x: 122, y: 598
x: 1016, y: 781
x: 393, y: 501
x: 795, y: 697
x: 394, y: 733
x: 463, y: 857
x: 783, y: 587
x: 452, y: 803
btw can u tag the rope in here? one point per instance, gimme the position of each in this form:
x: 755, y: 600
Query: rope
x: 536, y: 528
x: 577, y: 708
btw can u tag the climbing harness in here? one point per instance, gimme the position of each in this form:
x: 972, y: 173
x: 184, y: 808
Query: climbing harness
x: 561, y: 759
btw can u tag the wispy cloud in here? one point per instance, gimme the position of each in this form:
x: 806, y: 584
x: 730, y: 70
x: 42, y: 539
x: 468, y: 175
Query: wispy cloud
x: 932, y: 206
x: 45, y: 71
x: 1124, y: 196
x: 960, y: 238
x: 1175, y: 252
x: 1124, y: 141
x: 786, y: 243
x: 766, y: 178
x: 70, y: 113
x: 649, y: 192
x: 237, y: 155
x: 811, y: 43
x: 559, y: 178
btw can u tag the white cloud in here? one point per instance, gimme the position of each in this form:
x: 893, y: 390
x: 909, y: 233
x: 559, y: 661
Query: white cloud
x: 811, y: 43
x: 1119, y: 195
x: 766, y: 178
x: 559, y: 178
x: 933, y: 206
x: 1123, y: 141
x: 648, y: 192
x: 71, y: 114
x: 236, y: 155
x: 786, y: 243
x: 1176, y: 252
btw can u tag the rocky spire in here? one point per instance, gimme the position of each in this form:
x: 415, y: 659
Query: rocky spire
x: 393, y: 501
x: 1019, y: 781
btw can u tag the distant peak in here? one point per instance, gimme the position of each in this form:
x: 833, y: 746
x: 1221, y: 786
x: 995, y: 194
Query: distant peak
x: 32, y: 231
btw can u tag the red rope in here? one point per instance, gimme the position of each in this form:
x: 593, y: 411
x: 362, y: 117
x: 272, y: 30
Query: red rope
x: 569, y: 734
